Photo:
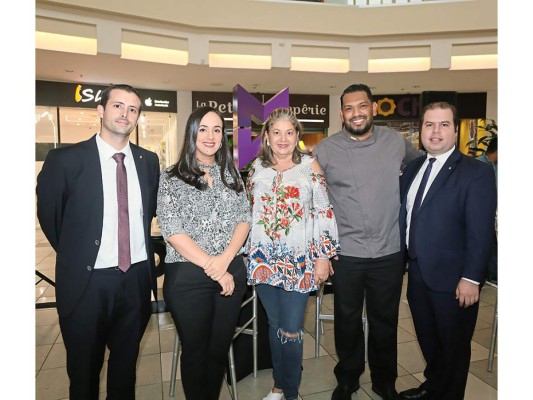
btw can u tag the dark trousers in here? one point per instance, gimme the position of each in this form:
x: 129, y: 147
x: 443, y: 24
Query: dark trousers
x: 114, y: 311
x: 444, y: 331
x: 205, y: 321
x: 380, y: 280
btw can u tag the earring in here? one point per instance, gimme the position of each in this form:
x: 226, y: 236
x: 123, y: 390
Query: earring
x: 268, y: 144
x: 220, y: 145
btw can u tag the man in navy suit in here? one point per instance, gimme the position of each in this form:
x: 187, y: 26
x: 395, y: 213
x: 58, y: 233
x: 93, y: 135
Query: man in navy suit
x: 98, y: 304
x: 448, y: 243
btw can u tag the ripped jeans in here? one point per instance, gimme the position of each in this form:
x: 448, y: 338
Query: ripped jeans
x: 285, y: 312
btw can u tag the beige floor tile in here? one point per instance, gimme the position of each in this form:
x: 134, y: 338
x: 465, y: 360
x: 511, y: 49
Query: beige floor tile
x: 150, y: 343
x: 46, y: 316
x: 410, y: 357
x: 52, y: 384
x: 318, y: 375
x: 41, y: 352
x: 149, y: 370
x: 56, y: 358
x: 46, y: 334
x: 166, y: 340
x: 149, y: 392
x: 166, y: 367
x: 476, y: 389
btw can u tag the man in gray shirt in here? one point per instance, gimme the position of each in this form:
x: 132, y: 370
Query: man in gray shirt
x: 362, y: 165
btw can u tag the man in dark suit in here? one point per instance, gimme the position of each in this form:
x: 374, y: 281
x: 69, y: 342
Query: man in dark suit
x: 103, y: 297
x: 448, y: 239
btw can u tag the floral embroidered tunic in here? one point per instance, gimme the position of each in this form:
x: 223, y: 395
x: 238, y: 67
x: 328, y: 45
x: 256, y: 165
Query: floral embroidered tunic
x: 292, y: 225
x: 208, y: 216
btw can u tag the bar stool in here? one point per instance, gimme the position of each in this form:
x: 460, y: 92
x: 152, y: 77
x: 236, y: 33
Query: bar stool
x: 320, y: 316
x: 244, y: 328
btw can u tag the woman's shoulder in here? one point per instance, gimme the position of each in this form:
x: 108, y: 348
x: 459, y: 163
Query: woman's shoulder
x: 307, y: 159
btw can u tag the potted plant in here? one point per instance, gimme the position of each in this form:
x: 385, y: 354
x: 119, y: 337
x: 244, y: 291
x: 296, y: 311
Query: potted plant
x: 491, y: 128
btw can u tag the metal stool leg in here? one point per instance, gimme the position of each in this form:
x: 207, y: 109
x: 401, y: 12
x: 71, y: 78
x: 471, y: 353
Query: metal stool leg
x: 319, y: 327
x: 231, y: 359
x: 493, y: 337
x: 244, y: 329
x: 174, y: 365
x: 365, y: 330
x: 319, y: 316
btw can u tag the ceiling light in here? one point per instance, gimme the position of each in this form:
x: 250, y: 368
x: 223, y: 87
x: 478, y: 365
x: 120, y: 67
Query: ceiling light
x: 309, y: 64
x: 487, y: 61
x: 320, y: 59
x: 244, y: 61
x: 139, y: 52
x: 65, y: 43
x: 474, y: 56
x: 399, y: 65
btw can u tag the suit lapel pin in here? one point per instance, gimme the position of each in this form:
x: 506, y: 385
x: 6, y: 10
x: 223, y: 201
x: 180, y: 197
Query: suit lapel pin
x: 140, y: 156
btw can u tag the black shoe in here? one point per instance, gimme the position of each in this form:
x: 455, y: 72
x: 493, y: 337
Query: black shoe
x: 387, y: 392
x: 344, y: 392
x: 418, y: 393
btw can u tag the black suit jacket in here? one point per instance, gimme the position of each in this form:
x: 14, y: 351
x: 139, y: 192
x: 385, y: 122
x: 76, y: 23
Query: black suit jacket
x: 455, y: 227
x: 70, y: 209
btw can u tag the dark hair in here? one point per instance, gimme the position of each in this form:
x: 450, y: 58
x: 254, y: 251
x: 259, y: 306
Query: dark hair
x: 358, y: 87
x: 492, y: 147
x: 187, y: 168
x: 121, y: 86
x: 265, y: 152
x: 440, y: 105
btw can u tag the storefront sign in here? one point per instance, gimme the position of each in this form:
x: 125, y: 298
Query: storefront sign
x: 60, y: 94
x: 397, y: 107
x: 311, y: 110
x: 246, y: 107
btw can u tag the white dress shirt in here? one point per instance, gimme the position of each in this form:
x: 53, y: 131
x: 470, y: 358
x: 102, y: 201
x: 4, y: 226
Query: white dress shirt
x: 108, y: 252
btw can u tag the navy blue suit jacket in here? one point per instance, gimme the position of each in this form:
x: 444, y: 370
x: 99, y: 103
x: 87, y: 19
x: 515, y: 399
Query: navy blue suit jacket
x: 455, y: 228
x: 70, y: 209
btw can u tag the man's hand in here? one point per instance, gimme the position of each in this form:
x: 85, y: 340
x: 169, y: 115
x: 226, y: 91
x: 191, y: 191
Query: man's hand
x: 467, y: 293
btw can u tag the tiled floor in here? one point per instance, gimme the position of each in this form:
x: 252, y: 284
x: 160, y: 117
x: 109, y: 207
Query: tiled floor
x: 318, y: 382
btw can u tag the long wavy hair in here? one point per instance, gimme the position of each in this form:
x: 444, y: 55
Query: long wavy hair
x: 265, y: 152
x: 187, y: 168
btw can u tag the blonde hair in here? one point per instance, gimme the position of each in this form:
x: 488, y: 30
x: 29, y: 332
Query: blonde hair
x: 265, y: 152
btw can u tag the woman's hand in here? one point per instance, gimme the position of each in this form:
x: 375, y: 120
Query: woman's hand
x: 217, y: 266
x: 322, y: 269
x: 227, y: 283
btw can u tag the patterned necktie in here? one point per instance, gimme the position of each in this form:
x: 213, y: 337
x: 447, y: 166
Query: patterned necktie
x: 124, y: 256
x: 416, y: 207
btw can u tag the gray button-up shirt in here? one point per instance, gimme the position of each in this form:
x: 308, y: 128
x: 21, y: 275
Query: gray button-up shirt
x: 363, y: 182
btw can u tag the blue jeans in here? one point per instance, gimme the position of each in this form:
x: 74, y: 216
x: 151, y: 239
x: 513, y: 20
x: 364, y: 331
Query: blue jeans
x: 285, y: 312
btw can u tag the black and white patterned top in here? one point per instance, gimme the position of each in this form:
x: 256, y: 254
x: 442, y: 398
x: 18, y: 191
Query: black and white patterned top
x: 208, y: 216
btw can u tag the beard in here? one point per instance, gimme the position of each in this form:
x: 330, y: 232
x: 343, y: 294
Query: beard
x: 359, y: 132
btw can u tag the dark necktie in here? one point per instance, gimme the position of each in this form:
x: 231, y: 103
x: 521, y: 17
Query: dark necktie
x: 416, y: 207
x: 124, y: 256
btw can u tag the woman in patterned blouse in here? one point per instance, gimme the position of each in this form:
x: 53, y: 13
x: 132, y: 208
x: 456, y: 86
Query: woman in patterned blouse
x: 204, y: 217
x: 293, y: 235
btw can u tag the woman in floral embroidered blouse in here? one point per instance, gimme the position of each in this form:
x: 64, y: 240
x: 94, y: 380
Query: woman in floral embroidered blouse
x: 204, y: 217
x: 293, y: 236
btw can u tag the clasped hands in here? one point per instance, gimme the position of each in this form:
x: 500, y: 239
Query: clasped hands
x: 323, y: 269
x: 216, y: 268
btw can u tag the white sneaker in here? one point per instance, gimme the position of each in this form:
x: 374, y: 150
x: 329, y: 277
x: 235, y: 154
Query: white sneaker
x: 273, y: 396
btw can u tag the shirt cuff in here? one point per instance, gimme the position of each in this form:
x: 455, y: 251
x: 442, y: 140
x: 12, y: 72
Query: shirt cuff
x: 470, y: 280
